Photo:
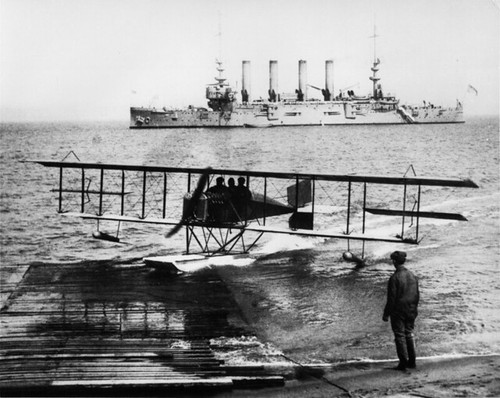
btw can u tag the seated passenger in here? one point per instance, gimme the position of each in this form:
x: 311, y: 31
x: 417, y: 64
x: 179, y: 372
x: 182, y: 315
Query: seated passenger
x: 218, y: 197
x: 231, y: 185
x: 218, y: 187
x: 233, y: 214
x: 241, y: 199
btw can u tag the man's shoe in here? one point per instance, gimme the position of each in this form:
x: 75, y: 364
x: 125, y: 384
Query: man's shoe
x: 410, y: 345
x: 401, y: 366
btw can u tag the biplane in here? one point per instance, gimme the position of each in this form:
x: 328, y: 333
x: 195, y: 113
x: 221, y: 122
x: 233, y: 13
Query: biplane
x: 222, y: 217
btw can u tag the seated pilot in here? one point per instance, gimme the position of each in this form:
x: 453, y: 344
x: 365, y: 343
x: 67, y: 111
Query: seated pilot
x: 218, y: 200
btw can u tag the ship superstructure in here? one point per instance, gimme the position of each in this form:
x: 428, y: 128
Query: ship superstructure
x: 297, y: 109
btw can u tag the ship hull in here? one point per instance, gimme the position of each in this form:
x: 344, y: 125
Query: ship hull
x: 314, y: 113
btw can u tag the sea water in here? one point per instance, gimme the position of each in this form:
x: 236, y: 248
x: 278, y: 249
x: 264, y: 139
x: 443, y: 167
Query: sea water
x: 296, y: 292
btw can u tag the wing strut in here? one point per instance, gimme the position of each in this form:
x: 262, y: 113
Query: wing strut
x: 364, y: 218
x: 83, y: 191
x: 418, y: 211
x: 122, y: 206
x: 100, y: 192
x: 143, y: 213
x: 404, y: 212
x: 348, y: 213
x: 60, y: 188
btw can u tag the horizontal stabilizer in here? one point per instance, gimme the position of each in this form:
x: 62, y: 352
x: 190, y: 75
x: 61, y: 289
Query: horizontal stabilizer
x: 423, y: 214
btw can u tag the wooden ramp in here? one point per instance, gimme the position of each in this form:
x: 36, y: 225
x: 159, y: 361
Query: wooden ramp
x: 106, y: 329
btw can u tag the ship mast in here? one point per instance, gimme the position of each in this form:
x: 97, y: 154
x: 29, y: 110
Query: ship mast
x: 219, y: 35
x: 220, y: 79
x: 220, y: 95
x: 374, y: 78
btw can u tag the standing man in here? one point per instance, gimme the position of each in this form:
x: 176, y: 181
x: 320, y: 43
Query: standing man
x: 402, y: 302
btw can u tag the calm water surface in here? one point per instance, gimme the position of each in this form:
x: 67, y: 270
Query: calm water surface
x: 297, y: 293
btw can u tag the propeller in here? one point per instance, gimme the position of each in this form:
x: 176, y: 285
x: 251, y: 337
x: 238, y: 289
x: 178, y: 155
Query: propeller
x: 191, y: 204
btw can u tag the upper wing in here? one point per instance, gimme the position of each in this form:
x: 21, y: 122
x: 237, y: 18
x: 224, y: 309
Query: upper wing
x: 423, y: 181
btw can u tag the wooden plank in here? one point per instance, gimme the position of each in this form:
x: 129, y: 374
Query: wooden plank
x: 124, y: 356
x: 185, y: 382
x: 258, y: 381
x: 55, y: 342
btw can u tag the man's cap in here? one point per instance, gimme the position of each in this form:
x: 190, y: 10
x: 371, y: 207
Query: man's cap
x: 220, y: 179
x: 398, y: 256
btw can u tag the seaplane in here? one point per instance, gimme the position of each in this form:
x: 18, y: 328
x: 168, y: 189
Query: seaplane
x: 221, y: 217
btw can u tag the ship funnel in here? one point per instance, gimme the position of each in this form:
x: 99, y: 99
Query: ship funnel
x: 302, y: 91
x: 273, y: 80
x: 245, y: 78
x: 328, y: 90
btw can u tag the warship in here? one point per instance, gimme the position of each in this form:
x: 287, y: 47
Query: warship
x: 229, y: 108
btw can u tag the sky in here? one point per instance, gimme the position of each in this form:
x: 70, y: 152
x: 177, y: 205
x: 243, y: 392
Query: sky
x: 93, y: 59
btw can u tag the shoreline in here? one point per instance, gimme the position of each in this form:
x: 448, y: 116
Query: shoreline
x: 441, y: 375
x: 433, y: 377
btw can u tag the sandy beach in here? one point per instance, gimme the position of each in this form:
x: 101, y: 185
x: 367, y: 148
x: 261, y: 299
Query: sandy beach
x: 470, y: 376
